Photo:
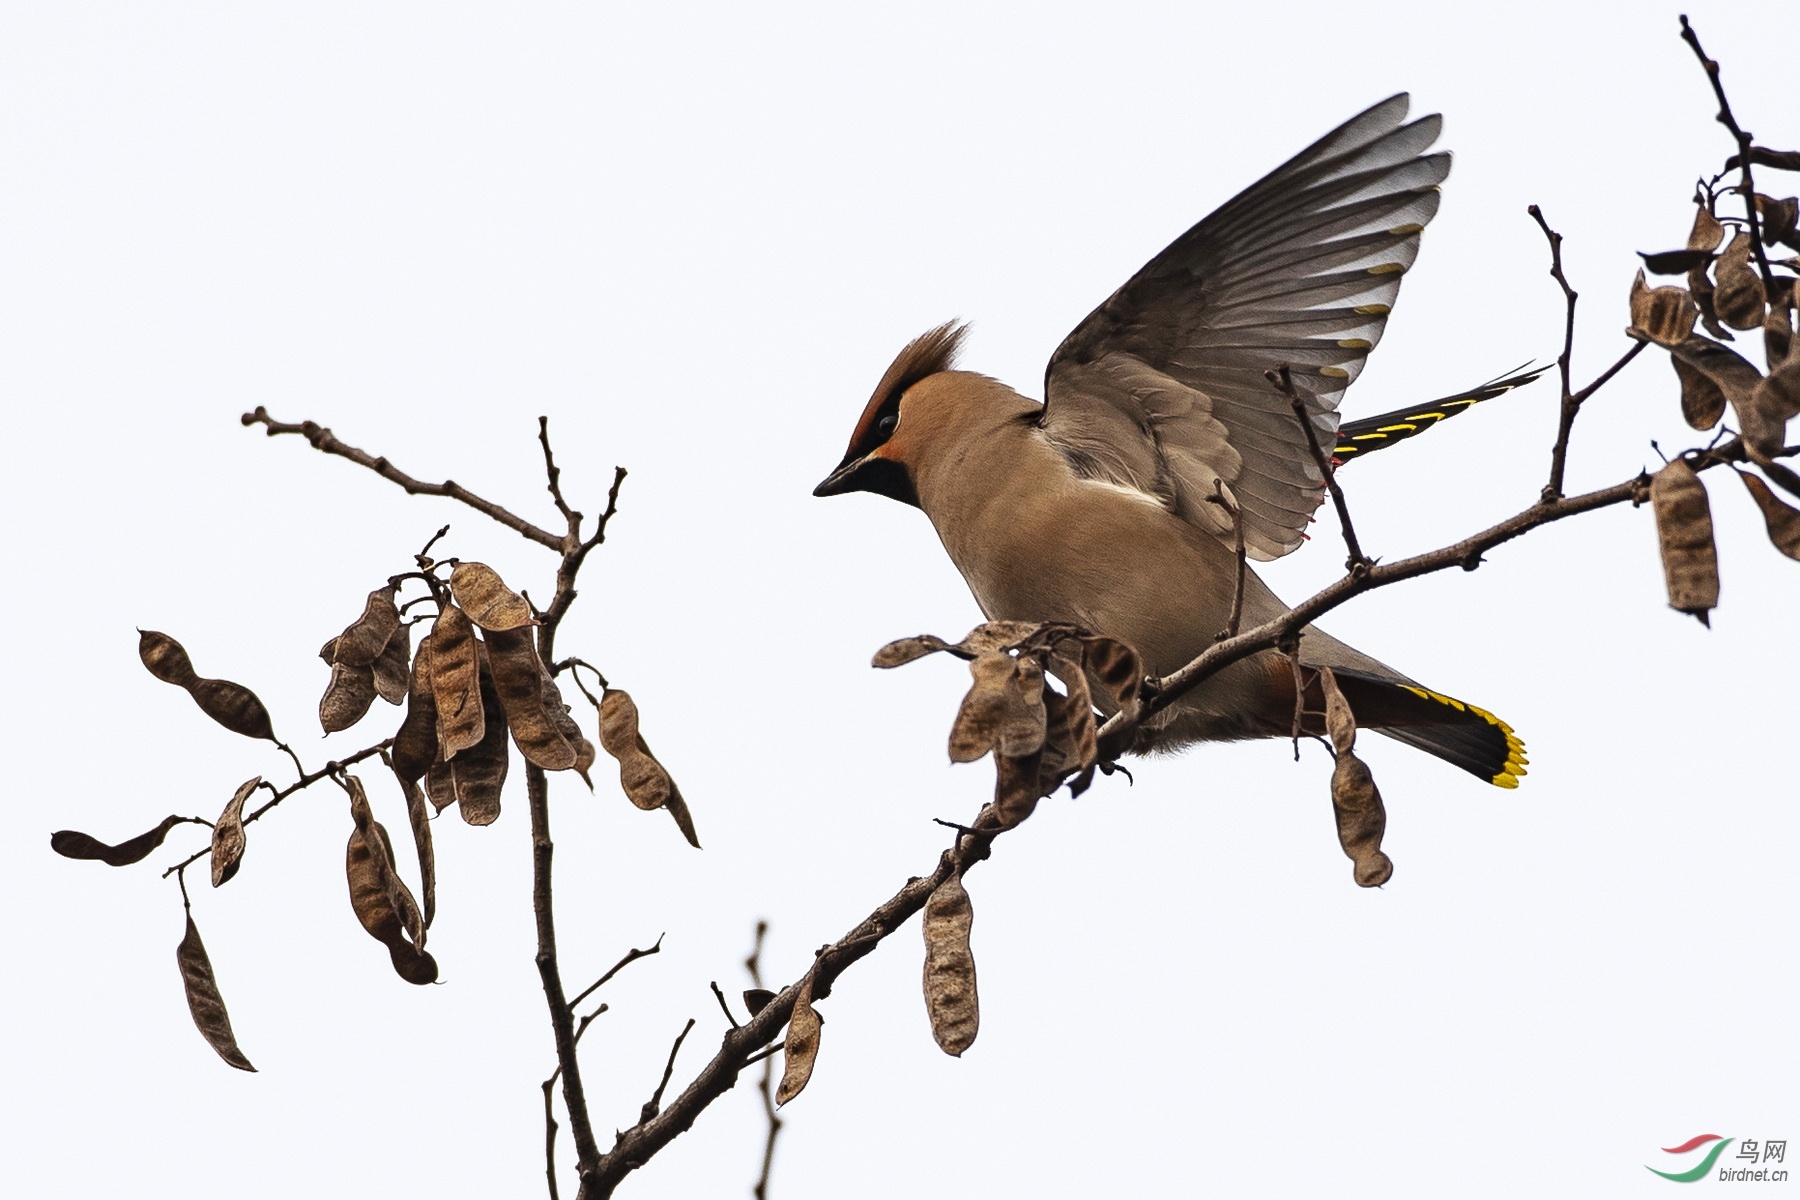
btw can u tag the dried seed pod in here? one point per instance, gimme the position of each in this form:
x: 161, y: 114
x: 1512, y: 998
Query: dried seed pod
x: 1684, y: 527
x: 419, y: 817
x: 1776, y: 397
x: 377, y: 915
x: 384, y: 873
x: 801, y: 1050
x: 1700, y: 287
x: 1739, y: 298
x: 1707, y: 233
x: 1783, y: 522
x: 1665, y: 315
x: 1778, y: 218
x: 347, y: 697
x: 994, y: 636
x: 1018, y: 786
x: 1702, y: 403
x: 415, y: 743
x: 232, y: 705
x: 228, y: 834
x: 391, y: 666
x: 1075, y: 736
x: 455, y: 683
x: 1675, y: 262
x: 1355, y: 800
x: 488, y: 601
x: 1778, y: 337
x: 1734, y: 375
x: 645, y: 781
x: 364, y: 639
x: 519, y: 682
x: 898, y: 654
x: 72, y: 843
x: 976, y: 729
x: 1116, y: 667
x: 204, y: 1002
x: 558, y: 712
x: 1022, y: 728
x: 473, y: 781
x: 950, y: 995
x: 757, y: 999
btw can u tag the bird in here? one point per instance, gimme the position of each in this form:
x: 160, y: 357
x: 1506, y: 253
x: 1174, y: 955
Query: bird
x: 1116, y: 503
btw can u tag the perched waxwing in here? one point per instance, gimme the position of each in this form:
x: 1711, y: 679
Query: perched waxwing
x: 1100, y: 506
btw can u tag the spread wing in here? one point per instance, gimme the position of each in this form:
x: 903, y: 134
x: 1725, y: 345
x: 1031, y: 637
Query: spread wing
x: 1161, y: 388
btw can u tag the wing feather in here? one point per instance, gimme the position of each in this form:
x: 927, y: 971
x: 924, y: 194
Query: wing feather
x: 1162, y: 389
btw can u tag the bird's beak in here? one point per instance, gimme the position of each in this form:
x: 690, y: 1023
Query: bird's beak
x: 844, y: 479
x: 870, y: 473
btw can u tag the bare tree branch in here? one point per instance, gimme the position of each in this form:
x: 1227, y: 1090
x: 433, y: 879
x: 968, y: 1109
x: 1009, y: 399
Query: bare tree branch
x: 1746, y: 185
x: 766, y: 1085
x: 653, y: 1105
x: 324, y: 441
x: 1284, y: 383
x: 631, y: 956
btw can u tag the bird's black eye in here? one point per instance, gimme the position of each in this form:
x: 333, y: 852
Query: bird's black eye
x: 885, y: 426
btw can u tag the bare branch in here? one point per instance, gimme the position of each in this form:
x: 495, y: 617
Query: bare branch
x: 1746, y: 185
x: 1237, y: 524
x: 334, y: 767
x: 723, y: 1007
x: 766, y: 1085
x: 631, y: 956
x: 324, y: 441
x: 555, y: 476
x: 653, y: 1105
x: 1284, y: 383
x: 1559, y: 454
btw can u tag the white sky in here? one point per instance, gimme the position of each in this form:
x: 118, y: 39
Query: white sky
x: 694, y: 236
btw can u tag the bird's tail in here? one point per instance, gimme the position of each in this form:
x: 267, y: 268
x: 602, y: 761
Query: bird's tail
x: 1460, y: 734
x: 1361, y: 438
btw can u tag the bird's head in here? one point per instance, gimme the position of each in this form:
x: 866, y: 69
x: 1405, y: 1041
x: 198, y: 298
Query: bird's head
x: 876, y: 460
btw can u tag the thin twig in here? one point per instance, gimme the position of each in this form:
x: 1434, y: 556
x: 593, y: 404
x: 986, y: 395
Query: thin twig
x: 1746, y: 185
x: 1236, y: 513
x: 327, y: 771
x: 1559, y: 454
x: 1283, y: 382
x: 324, y: 441
x: 631, y: 956
x: 555, y: 475
x: 653, y: 1105
x: 723, y: 1007
x: 766, y: 1085
x: 550, y: 1135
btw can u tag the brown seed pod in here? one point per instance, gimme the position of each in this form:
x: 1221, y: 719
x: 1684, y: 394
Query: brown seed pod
x: 365, y: 638
x: 455, y: 683
x: 377, y: 915
x: 416, y: 743
x: 757, y: 999
x: 391, y: 666
x: 1700, y: 287
x: 1776, y: 398
x: 384, y: 873
x: 1022, y: 728
x: 1017, y: 787
x: 473, y: 781
x: 1684, y: 527
x: 565, y: 724
x: 228, y: 834
x: 1075, y: 735
x: 1702, y: 403
x: 232, y: 705
x: 801, y: 1050
x: 996, y: 635
x: 1675, y: 262
x: 72, y: 843
x: 1733, y: 374
x: 1707, y: 233
x: 976, y: 729
x: 1783, y: 522
x: 1116, y: 667
x: 1665, y: 315
x: 1355, y: 800
x: 418, y: 815
x: 204, y: 1002
x: 645, y: 781
x: 519, y: 682
x: 1778, y: 218
x: 950, y: 996
x: 898, y: 654
x: 347, y: 697
x: 488, y: 601
x: 1739, y: 298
